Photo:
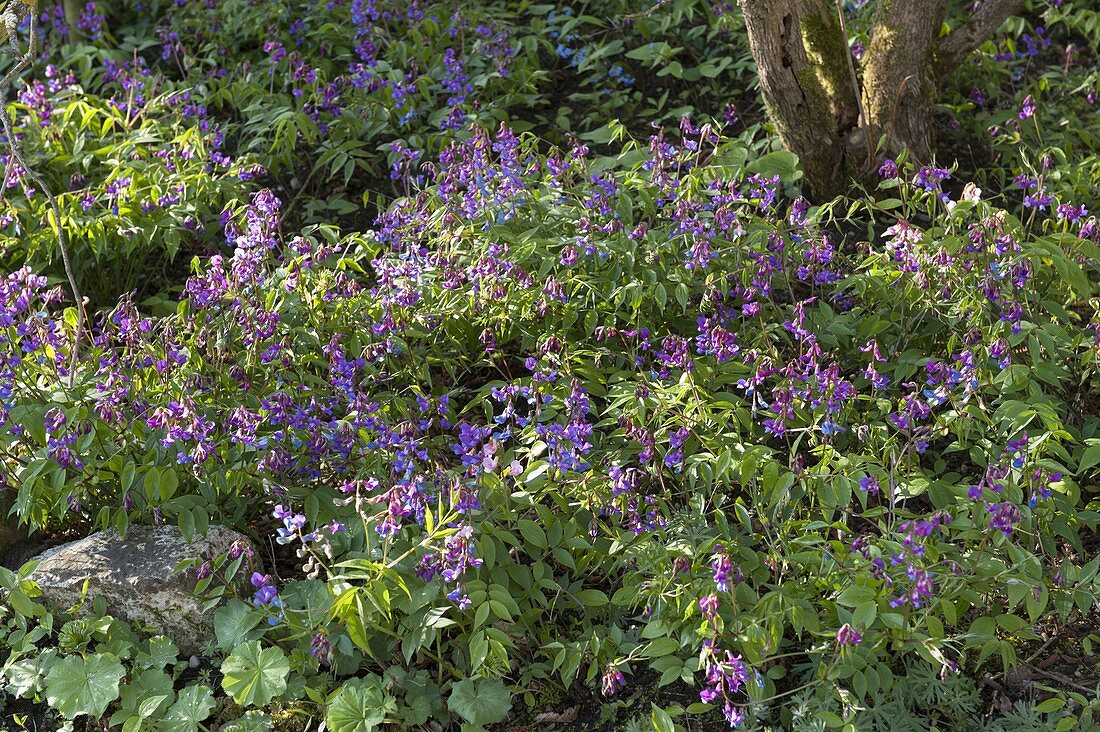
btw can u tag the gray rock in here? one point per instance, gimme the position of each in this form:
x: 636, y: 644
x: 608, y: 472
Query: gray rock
x: 135, y: 576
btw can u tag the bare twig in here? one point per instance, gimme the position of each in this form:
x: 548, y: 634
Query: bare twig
x: 862, y: 121
x: 851, y: 66
x: 1063, y: 679
x: 1042, y: 648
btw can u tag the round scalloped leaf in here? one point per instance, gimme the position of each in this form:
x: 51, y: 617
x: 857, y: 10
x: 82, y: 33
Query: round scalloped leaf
x: 253, y: 721
x: 480, y: 701
x: 195, y: 703
x: 253, y: 677
x: 28, y: 677
x: 161, y: 652
x: 360, y: 706
x: 77, y: 685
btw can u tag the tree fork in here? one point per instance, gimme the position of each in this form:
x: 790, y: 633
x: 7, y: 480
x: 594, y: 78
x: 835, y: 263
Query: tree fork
x: 812, y: 95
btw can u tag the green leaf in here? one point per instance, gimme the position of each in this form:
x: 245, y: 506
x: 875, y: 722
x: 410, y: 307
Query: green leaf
x: 1071, y: 273
x: 360, y: 706
x: 77, y: 685
x: 253, y: 721
x: 1090, y: 458
x: 781, y: 163
x: 28, y: 676
x: 662, y: 647
x: 893, y: 620
x: 681, y: 294
x: 127, y: 477
x: 169, y: 483
x: 1016, y: 591
x: 662, y: 722
x: 421, y: 701
x: 234, y: 623
x: 187, y: 525
x: 831, y: 719
x: 195, y: 703
x: 480, y: 701
x: 1050, y: 705
x: 865, y: 614
x: 150, y: 705
x: 592, y: 598
x: 479, y: 648
x: 532, y: 533
x: 162, y: 651
x: 253, y: 677
x: 144, y: 697
x: 855, y: 595
x: 23, y: 605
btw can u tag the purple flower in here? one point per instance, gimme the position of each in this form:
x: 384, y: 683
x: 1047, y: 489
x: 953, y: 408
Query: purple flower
x: 321, y: 649
x: 929, y: 178
x: 709, y: 606
x: 733, y: 715
x: 54, y: 419
x: 91, y: 21
x: 1072, y: 213
x: 799, y: 208
x: 848, y: 636
x: 1027, y: 111
x: 922, y: 589
x: 613, y: 680
x: 1040, y: 200
x: 869, y: 485
x: 724, y: 677
x: 724, y: 571
x: 266, y: 593
x: 1003, y: 517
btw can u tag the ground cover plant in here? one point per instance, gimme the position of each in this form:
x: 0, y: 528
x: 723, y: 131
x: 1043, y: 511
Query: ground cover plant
x: 514, y: 329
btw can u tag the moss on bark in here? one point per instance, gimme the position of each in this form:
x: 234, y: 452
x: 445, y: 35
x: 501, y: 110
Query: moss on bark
x: 827, y: 50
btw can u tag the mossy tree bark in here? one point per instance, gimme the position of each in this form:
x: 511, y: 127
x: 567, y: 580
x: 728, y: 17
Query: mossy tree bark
x: 830, y: 117
x: 801, y: 56
x: 899, y: 81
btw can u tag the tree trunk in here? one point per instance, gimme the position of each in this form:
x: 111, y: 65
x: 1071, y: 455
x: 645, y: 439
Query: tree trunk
x: 899, y: 82
x: 809, y: 84
x: 982, y: 24
x: 802, y: 58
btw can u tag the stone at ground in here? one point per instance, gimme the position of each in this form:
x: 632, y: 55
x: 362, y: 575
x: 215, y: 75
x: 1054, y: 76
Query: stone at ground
x: 135, y: 576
